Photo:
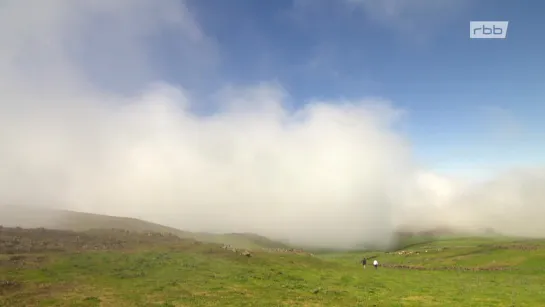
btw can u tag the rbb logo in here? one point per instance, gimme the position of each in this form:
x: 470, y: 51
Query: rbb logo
x: 488, y: 29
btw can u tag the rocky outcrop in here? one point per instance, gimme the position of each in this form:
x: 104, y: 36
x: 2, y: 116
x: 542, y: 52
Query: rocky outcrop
x: 242, y: 252
x: 287, y: 251
x: 268, y: 250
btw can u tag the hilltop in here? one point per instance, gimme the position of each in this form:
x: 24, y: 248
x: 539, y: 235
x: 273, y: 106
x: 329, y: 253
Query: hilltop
x: 28, y: 217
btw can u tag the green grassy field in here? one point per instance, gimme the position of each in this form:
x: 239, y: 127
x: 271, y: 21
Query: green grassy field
x: 176, y: 272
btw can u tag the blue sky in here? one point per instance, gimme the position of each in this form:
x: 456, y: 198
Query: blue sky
x: 472, y: 106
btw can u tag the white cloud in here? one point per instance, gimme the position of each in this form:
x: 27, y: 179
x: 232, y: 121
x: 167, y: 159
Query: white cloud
x: 333, y: 173
x: 77, y: 43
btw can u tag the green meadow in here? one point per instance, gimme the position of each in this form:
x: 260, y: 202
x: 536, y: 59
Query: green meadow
x: 180, y: 272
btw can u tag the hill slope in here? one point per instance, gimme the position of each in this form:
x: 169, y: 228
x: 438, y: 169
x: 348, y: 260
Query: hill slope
x: 27, y: 217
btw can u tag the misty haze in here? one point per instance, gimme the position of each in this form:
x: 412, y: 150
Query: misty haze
x: 90, y: 121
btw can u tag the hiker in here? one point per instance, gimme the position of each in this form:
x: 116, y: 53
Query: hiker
x: 364, y: 262
x: 375, y: 263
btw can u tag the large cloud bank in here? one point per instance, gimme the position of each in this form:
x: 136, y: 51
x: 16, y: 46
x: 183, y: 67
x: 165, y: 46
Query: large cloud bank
x: 332, y: 173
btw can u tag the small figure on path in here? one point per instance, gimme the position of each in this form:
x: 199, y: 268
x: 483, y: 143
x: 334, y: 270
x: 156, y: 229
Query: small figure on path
x: 364, y: 262
x: 375, y: 263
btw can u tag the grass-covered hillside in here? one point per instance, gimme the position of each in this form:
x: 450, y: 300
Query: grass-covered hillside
x: 117, y: 268
x: 28, y: 217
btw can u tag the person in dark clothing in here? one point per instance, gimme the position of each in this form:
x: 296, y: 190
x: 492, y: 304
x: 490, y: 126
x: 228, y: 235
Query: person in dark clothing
x: 364, y: 262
